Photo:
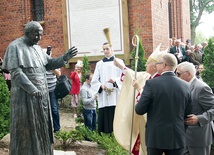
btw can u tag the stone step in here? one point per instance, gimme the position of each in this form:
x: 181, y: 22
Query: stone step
x: 58, y: 152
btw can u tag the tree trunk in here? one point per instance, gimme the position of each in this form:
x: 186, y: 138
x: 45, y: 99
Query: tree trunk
x: 193, y: 34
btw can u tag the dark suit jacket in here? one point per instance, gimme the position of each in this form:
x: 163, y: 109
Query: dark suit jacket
x: 201, y: 134
x: 173, y: 51
x: 196, y: 58
x: 166, y: 100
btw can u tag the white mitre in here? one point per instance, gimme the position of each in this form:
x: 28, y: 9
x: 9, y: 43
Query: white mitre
x: 154, y: 56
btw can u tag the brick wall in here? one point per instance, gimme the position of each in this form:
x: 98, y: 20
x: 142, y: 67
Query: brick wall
x: 53, y: 27
x: 181, y: 19
x: 148, y: 18
x: 140, y: 21
x: 186, y: 30
x: 160, y: 24
x: 11, y: 22
x: 14, y: 14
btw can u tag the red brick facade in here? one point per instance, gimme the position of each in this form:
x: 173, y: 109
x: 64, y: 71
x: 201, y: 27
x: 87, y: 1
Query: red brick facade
x: 180, y: 19
x: 149, y: 18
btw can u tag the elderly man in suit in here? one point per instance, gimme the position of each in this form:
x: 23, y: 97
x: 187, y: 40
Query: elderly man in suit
x: 178, y: 51
x: 166, y: 100
x: 200, y: 130
x: 196, y: 56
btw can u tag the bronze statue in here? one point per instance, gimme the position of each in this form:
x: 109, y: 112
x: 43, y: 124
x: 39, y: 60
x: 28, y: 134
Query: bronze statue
x: 31, y: 131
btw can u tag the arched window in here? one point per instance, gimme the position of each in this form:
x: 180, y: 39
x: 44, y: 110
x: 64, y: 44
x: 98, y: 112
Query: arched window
x: 38, y: 10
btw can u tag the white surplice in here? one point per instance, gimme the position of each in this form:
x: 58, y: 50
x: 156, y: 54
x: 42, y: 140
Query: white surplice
x: 104, y: 71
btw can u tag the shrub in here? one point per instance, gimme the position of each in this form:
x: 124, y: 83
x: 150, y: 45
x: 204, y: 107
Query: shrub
x: 105, y: 141
x: 86, y: 68
x: 4, y: 107
x: 67, y: 138
x: 141, y: 60
x: 208, y: 72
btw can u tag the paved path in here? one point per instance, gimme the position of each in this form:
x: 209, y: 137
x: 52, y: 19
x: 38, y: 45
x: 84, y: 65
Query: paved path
x: 67, y: 121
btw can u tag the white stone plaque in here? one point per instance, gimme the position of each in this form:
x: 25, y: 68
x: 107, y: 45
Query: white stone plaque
x: 86, y: 21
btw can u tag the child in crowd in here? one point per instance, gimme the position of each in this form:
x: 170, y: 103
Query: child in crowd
x: 89, y: 103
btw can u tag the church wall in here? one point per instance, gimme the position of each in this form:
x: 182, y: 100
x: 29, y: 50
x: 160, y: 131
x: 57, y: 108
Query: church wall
x: 186, y: 30
x: 180, y: 19
x: 11, y: 22
x: 140, y: 20
x: 160, y: 24
x: 15, y: 14
x: 148, y: 18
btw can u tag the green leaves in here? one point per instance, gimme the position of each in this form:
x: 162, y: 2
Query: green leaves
x: 4, y: 107
x: 207, y: 74
x: 197, y: 9
x: 67, y: 138
x: 141, y: 60
x: 105, y: 141
x: 86, y: 68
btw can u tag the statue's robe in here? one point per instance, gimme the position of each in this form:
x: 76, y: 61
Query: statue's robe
x: 31, y: 131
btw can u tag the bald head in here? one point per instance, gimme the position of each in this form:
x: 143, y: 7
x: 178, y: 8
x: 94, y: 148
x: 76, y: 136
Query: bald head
x: 170, y: 60
x: 33, y: 32
x: 167, y: 62
x: 31, y: 26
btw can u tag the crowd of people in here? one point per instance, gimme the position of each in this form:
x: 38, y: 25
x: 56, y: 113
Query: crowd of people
x: 177, y: 103
x: 190, y: 53
x: 177, y: 110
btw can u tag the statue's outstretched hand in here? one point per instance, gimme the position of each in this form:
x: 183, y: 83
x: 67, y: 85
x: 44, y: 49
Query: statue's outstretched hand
x: 70, y: 53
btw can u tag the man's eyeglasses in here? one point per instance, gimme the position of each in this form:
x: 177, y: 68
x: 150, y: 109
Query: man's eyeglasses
x: 162, y: 63
x: 179, y: 74
x: 158, y: 63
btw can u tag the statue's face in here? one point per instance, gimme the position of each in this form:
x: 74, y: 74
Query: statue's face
x: 34, y: 36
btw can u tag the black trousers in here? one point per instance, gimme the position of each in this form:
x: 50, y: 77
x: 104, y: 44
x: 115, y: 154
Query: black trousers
x: 154, y: 151
x: 105, y: 119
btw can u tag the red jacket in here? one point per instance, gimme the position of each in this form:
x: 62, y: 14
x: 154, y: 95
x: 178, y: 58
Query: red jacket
x: 75, y: 83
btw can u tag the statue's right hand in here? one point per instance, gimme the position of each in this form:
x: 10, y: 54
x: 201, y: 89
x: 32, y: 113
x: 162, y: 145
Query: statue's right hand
x: 37, y: 93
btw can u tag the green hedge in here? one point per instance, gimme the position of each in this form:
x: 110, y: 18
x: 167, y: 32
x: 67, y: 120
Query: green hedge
x: 208, y: 72
x: 4, y: 107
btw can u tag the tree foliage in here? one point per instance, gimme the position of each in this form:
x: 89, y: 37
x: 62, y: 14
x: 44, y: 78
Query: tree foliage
x: 141, y: 60
x: 4, y: 107
x: 200, y: 38
x: 86, y: 68
x: 197, y: 9
x: 207, y: 74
